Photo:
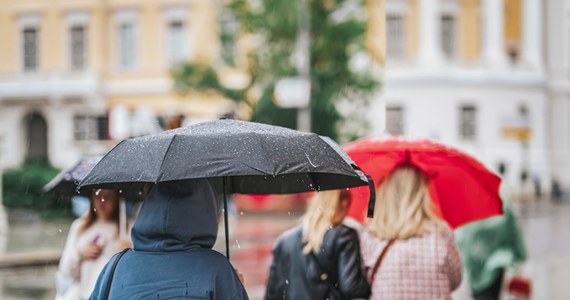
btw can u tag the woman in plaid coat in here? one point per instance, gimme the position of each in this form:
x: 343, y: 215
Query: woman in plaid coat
x: 420, y: 259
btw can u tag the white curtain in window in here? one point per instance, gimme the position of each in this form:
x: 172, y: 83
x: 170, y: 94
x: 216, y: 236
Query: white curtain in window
x: 395, y: 37
x: 176, y: 42
x: 77, y: 47
x: 127, y: 45
x: 448, y: 35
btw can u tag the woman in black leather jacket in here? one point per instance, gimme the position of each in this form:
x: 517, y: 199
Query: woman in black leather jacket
x: 319, y: 259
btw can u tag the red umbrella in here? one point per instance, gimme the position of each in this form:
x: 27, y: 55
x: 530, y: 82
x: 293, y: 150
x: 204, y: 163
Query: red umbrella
x: 462, y: 189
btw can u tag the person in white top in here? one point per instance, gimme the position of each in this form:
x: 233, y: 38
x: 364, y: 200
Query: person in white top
x: 92, y: 240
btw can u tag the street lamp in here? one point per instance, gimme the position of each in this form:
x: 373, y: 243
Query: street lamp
x: 295, y: 92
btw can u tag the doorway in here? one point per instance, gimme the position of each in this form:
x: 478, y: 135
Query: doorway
x: 36, y: 142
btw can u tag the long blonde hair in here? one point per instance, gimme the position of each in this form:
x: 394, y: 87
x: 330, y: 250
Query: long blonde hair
x: 403, y: 206
x: 323, y: 212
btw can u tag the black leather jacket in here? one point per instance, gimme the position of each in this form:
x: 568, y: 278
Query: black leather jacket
x: 296, y: 276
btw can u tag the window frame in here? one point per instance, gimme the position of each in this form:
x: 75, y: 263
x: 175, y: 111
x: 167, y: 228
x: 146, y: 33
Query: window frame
x: 173, y: 15
x: 399, y: 122
x: 90, y: 127
x: 468, y: 128
x: 25, y: 55
x: 72, y: 20
x: 28, y: 21
x: 396, y: 51
x: 450, y: 54
x: 84, y: 45
x: 126, y: 61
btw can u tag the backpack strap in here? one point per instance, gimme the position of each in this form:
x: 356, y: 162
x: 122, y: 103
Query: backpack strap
x: 110, y: 279
x: 379, y: 261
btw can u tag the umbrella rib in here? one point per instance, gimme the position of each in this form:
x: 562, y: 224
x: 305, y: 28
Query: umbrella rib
x: 80, y: 185
x: 160, y: 173
x: 341, y: 156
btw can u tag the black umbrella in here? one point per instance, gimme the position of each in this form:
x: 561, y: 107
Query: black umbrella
x: 66, y: 182
x: 250, y: 158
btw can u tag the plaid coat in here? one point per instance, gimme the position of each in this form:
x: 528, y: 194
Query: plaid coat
x: 427, y: 267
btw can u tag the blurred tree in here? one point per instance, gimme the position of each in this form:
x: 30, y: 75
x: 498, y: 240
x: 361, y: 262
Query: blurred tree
x: 341, y: 70
x: 196, y: 77
x: 23, y: 188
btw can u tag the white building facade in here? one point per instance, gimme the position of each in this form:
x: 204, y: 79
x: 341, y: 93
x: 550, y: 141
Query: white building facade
x: 454, y: 73
x: 557, y: 32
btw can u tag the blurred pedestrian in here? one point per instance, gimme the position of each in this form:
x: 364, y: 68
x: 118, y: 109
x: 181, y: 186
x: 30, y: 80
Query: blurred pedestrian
x: 172, y: 255
x: 174, y: 122
x: 537, y: 183
x: 556, y: 191
x: 488, y: 248
x: 320, y: 258
x: 92, y: 240
x: 409, y: 251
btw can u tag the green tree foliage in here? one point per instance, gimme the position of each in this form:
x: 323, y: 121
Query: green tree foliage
x: 337, y: 30
x: 22, y: 188
x: 195, y: 77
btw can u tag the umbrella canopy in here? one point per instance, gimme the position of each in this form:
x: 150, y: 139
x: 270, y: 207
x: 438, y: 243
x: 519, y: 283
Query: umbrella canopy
x: 462, y: 189
x: 250, y: 158
x: 66, y: 182
x: 254, y: 158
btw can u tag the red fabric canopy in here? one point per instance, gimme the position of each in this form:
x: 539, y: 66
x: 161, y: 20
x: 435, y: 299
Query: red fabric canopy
x: 462, y: 189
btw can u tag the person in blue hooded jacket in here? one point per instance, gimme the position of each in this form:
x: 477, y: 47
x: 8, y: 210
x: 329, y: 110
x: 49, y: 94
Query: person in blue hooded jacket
x: 172, y: 255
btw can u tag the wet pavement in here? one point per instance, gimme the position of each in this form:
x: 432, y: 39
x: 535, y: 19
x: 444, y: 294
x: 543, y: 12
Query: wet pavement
x: 546, y: 228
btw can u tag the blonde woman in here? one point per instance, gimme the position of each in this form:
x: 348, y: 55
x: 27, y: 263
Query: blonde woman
x: 319, y: 259
x: 410, y: 253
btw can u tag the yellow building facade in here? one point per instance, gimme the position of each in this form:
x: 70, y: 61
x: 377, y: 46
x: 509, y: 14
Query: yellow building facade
x: 86, y: 74
x: 66, y: 65
x: 463, y: 20
x: 145, y: 27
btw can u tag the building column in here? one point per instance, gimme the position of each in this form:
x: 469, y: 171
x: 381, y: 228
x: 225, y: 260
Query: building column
x: 559, y: 132
x: 531, y: 39
x: 556, y: 38
x: 430, y: 53
x: 494, y: 53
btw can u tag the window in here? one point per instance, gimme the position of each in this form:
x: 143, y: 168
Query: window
x: 230, y: 28
x: 468, y: 122
x: 30, y: 44
x: 176, y: 42
x: 395, y: 37
x: 126, y: 45
x: 395, y: 120
x: 88, y: 127
x: 448, y: 35
x: 78, y: 47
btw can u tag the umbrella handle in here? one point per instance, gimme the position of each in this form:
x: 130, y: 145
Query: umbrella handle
x: 226, y: 226
x: 372, y: 199
x: 122, y: 219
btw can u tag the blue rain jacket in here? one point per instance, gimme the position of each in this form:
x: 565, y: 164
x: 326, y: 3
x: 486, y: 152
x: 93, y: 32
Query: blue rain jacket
x: 172, y: 256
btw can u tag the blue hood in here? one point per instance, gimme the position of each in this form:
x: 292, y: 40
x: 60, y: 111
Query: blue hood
x: 177, y: 216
